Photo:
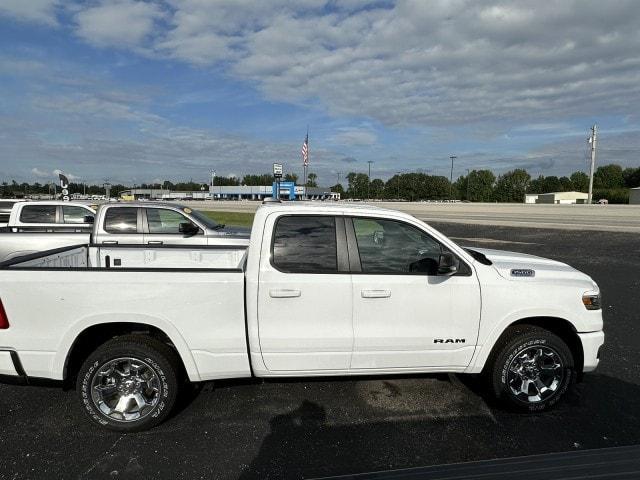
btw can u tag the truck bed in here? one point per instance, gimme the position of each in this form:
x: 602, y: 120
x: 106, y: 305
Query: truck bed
x: 195, y: 295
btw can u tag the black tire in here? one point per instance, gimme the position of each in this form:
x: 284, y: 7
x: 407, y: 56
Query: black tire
x: 513, y: 367
x: 158, y: 362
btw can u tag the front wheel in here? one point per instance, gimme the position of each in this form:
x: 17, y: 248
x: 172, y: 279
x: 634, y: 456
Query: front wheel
x: 129, y: 383
x: 532, y: 369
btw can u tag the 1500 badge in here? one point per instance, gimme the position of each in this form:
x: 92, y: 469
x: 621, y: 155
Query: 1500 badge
x: 522, y: 272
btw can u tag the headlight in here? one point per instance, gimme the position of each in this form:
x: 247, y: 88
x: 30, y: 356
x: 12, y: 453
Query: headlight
x: 592, y: 300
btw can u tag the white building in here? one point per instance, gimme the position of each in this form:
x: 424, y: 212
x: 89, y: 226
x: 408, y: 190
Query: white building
x: 634, y: 196
x: 531, y: 198
x: 563, y: 197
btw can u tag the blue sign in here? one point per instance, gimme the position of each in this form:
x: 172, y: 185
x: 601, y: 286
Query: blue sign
x: 290, y: 186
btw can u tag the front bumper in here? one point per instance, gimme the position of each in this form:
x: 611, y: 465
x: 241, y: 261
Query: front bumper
x: 591, y: 343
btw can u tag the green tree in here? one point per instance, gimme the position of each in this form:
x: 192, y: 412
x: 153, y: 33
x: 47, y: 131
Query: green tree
x: 512, y: 186
x: 357, y: 187
x: 631, y: 177
x: 480, y: 185
x: 608, y: 176
x: 291, y: 177
x: 580, y: 181
x: 312, y: 180
x: 256, y: 180
x: 376, y: 188
x: 565, y: 184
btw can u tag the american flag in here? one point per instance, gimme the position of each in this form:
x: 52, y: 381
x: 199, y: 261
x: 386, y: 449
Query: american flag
x: 305, y: 151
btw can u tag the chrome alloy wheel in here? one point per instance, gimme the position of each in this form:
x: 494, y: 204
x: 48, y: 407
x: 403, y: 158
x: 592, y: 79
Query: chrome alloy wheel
x: 125, y: 389
x: 535, y: 374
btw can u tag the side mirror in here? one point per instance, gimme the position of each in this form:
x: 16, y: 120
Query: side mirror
x: 447, y: 264
x: 89, y: 219
x: 188, y: 228
x: 378, y: 237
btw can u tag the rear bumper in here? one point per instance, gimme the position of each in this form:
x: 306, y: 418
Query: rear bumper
x: 591, y: 343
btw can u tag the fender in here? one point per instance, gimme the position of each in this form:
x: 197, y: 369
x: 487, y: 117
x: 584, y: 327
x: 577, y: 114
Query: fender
x: 162, y: 324
x: 486, y: 344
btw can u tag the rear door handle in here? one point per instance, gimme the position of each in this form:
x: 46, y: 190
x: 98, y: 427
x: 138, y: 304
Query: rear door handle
x: 375, y: 293
x: 110, y: 242
x: 284, y: 293
x: 154, y: 242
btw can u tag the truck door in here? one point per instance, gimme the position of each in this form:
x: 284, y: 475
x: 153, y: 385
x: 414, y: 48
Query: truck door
x: 304, y: 294
x: 163, y: 228
x: 405, y: 315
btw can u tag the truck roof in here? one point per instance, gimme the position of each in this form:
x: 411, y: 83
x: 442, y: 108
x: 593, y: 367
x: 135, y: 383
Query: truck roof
x: 341, y: 207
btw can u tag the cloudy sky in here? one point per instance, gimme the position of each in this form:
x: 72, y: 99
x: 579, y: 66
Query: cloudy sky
x: 137, y: 91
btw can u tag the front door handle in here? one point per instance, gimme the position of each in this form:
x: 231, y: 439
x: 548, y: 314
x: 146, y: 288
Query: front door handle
x: 284, y: 293
x: 154, y: 242
x: 375, y: 293
x: 110, y: 242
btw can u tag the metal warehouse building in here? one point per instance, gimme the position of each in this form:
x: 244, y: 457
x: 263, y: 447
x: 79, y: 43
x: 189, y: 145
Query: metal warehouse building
x: 562, y: 197
x: 634, y: 196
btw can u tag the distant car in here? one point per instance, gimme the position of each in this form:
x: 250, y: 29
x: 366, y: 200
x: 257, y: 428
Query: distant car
x: 603, y: 201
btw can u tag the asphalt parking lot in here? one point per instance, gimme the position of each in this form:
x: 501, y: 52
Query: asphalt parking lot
x: 306, y: 429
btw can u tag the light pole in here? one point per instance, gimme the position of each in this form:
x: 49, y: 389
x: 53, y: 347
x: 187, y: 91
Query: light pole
x: 452, y: 157
x: 369, y: 180
x: 398, y: 182
x: 468, y: 179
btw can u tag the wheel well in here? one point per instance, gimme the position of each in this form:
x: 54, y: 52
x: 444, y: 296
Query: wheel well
x: 91, y: 338
x: 560, y: 327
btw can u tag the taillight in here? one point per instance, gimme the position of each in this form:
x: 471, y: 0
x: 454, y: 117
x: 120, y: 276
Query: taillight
x: 4, y: 321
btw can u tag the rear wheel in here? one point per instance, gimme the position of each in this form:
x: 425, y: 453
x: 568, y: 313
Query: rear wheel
x: 532, y: 369
x: 129, y: 383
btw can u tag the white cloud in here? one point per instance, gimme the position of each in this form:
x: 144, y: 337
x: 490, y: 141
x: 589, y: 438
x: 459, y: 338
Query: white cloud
x: 40, y: 173
x: 39, y: 11
x: 124, y: 23
x: 352, y: 136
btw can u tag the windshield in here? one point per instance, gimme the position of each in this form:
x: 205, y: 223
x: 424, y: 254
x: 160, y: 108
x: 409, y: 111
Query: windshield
x: 204, y: 219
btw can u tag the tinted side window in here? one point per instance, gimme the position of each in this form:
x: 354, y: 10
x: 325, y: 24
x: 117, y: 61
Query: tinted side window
x: 38, y: 214
x: 121, y: 220
x: 72, y: 214
x: 388, y: 246
x: 162, y: 220
x: 305, y: 244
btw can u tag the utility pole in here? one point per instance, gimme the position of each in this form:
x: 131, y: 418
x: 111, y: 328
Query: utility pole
x: 468, y: 179
x: 398, y: 182
x: 592, y: 142
x: 339, y: 173
x: 369, y: 180
x: 452, y: 157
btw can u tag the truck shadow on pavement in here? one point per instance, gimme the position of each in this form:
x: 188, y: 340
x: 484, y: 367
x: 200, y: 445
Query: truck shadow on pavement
x: 303, y: 443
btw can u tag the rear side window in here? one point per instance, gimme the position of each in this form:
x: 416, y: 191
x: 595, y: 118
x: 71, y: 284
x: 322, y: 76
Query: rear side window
x: 72, y: 214
x: 38, y: 214
x: 305, y: 244
x: 121, y: 220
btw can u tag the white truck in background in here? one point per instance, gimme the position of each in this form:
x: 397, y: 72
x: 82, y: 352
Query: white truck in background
x: 54, y: 216
x: 321, y: 291
x: 39, y: 226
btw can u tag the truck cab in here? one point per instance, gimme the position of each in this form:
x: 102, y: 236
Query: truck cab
x: 146, y: 223
x: 51, y: 217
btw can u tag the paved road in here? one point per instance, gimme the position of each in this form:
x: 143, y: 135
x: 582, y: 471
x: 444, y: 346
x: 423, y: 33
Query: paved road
x: 306, y: 429
x: 614, y: 218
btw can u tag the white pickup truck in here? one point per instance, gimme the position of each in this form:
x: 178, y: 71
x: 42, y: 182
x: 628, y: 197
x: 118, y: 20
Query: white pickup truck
x: 322, y: 290
x: 39, y: 226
